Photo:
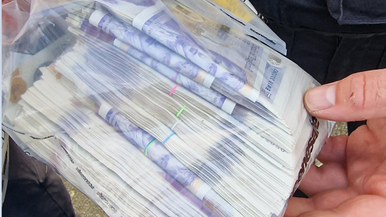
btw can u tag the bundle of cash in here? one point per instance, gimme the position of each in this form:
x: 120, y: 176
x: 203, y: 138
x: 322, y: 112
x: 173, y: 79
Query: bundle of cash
x: 253, y: 81
x: 109, y: 186
x: 152, y: 108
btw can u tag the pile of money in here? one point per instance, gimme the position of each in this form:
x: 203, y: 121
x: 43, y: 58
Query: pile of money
x: 152, y: 108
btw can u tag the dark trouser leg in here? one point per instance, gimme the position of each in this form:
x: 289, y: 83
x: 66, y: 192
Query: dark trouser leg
x: 34, y: 189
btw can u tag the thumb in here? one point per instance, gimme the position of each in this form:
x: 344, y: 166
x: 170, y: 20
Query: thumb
x: 360, y: 96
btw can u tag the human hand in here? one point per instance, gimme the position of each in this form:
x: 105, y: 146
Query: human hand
x: 360, y: 96
x: 352, y: 180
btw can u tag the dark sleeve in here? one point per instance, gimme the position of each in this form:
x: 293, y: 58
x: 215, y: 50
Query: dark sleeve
x: 354, y: 12
x: 329, y: 16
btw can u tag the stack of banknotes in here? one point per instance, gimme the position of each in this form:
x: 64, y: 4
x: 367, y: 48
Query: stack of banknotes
x: 153, y: 108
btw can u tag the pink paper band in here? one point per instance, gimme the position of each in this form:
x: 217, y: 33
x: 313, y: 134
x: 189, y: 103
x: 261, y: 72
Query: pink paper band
x: 172, y: 91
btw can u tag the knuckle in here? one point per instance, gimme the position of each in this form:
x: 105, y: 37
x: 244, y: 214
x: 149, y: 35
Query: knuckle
x: 357, y: 92
x: 368, y: 90
x: 380, y: 96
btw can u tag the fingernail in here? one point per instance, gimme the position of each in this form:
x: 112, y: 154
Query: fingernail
x: 320, y: 98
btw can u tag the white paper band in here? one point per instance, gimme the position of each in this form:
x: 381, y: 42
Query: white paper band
x: 96, y: 17
x: 175, y: 124
x: 228, y: 106
x: 104, y: 109
x: 117, y: 43
x: 146, y: 14
x: 253, y: 95
x: 123, y: 46
x: 201, y: 192
x: 208, y: 80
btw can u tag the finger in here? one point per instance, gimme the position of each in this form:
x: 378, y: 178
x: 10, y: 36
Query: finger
x: 328, y: 177
x: 297, y: 206
x: 332, y: 174
x: 364, y: 205
x: 334, y: 150
x: 366, y: 158
x: 323, y: 201
x: 363, y: 145
x: 360, y: 96
x: 378, y: 128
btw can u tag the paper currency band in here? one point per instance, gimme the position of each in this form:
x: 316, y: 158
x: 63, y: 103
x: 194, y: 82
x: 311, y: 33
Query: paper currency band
x: 148, y: 146
x: 228, y: 106
x: 174, y: 89
x: 176, y: 77
x: 167, y: 138
x: 146, y: 14
x: 175, y: 124
x: 181, y: 110
x: 96, y: 17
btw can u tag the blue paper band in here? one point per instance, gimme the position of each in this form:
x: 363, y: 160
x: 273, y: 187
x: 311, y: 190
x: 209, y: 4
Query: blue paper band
x: 168, y: 138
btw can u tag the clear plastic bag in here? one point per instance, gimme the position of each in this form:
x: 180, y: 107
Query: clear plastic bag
x: 128, y: 101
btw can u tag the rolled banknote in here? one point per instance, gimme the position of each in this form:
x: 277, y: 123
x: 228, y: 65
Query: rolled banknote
x: 157, y: 22
x: 182, y: 67
x: 107, y: 71
x: 132, y: 36
x: 85, y: 26
x: 160, y: 26
x: 107, y: 135
x: 209, y: 95
x: 156, y: 151
x: 185, y: 177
